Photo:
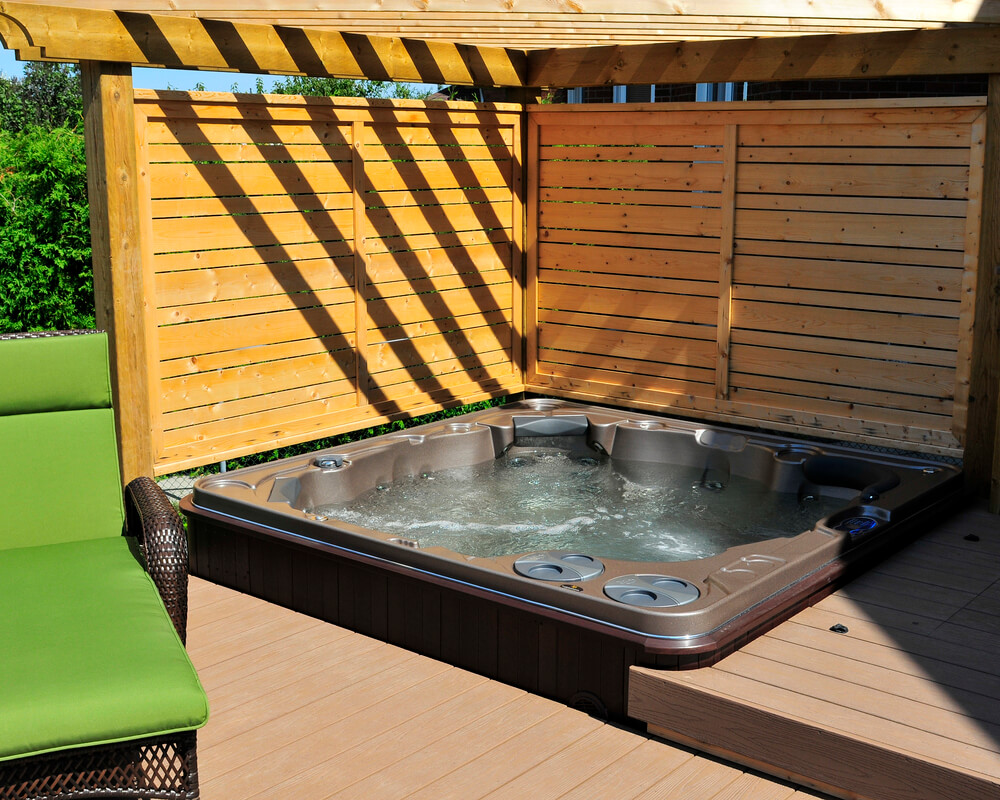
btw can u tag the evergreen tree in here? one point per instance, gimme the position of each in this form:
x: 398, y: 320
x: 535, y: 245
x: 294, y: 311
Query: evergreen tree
x: 46, y: 277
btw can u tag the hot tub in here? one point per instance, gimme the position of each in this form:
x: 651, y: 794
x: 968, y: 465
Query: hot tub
x: 619, y: 538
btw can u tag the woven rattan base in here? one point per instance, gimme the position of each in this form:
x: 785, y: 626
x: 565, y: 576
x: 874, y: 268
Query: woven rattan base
x: 145, y: 768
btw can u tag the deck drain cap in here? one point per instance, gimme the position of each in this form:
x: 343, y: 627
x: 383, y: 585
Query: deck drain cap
x: 651, y: 591
x: 565, y: 566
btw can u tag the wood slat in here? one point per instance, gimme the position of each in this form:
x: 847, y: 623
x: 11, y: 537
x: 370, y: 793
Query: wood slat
x: 861, y: 325
x: 248, y: 152
x: 856, y: 204
x: 884, y: 280
x: 468, y: 323
x: 849, y: 395
x: 443, y: 305
x: 414, y: 265
x: 251, y: 230
x: 941, y: 233
x: 217, y: 386
x: 243, y: 307
x: 848, y: 347
x: 639, y: 346
x: 811, y: 134
x: 630, y: 175
x: 652, y: 197
x: 210, y: 336
x: 186, y: 131
x: 437, y: 197
x: 211, y: 285
x: 547, y: 316
x: 422, y: 135
x: 484, y: 369
x: 270, y: 421
x: 443, y: 150
x: 890, y: 419
x: 445, y: 283
x: 645, y: 375
x: 686, y: 266
x: 695, y: 244
x: 855, y: 180
x: 670, y: 286
x: 610, y: 132
x: 949, y: 259
x: 387, y: 176
x: 390, y: 222
x: 684, y: 309
x: 835, y: 369
x: 266, y: 204
x: 610, y: 152
x: 426, y: 350
x: 249, y: 256
x: 236, y: 179
x: 646, y: 219
x: 805, y: 154
x: 206, y: 416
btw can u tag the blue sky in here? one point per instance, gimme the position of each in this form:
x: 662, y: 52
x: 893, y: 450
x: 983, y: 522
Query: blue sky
x: 182, y: 79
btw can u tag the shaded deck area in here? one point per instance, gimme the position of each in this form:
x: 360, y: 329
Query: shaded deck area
x: 305, y: 709
x: 903, y: 704
x: 889, y: 688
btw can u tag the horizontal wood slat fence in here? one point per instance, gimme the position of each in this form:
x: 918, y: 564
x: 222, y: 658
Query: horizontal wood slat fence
x: 809, y: 267
x: 317, y: 266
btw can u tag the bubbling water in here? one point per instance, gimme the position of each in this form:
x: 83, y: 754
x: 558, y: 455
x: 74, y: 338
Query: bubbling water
x: 549, y: 498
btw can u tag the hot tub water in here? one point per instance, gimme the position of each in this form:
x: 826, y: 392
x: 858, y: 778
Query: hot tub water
x: 540, y: 497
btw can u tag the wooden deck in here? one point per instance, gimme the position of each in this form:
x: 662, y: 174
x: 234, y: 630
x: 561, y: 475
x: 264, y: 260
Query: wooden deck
x: 903, y: 704
x: 303, y: 709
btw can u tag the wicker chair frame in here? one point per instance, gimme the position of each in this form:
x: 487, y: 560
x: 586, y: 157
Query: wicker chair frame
x: 164, y: 767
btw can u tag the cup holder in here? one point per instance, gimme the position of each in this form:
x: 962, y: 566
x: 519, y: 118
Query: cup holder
x: 651, y: 591
x: 558, y: 565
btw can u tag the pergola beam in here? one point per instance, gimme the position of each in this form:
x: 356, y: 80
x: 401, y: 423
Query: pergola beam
x: 76, y: 34
x: 948, y: 51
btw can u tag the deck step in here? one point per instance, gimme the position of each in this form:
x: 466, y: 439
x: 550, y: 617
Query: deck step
x: 901, y: 706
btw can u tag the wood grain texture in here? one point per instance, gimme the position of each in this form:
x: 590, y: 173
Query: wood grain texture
x: 836, y: 266
x: 120, y: 276
x: 984, y: 387
x: 134, y: 37
x: 892, y: 708
x: 325, y: 252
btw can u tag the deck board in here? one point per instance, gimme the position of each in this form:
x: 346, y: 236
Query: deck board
x: 902, y: 705
x: 305, y: 709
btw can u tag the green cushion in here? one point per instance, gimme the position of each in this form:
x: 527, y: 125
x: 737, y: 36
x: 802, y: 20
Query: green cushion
x: 59, y: 478
x: 54, y: 373
x: 89, y: 653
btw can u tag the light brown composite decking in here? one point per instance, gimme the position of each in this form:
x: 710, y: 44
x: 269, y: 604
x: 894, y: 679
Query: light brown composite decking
x: 904, y: 705
x: 303, y: 709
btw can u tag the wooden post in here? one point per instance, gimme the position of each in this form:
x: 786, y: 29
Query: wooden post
x: 725, y: 321
x: 982, y: 454
x: 359, y: 183
x: 112, y: 183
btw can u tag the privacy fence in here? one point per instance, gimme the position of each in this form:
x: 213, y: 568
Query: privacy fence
x: 801, y: 266
x: 314, y: 266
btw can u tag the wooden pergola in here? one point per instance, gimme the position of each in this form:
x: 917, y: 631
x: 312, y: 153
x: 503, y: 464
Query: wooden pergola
x: 526, y: 47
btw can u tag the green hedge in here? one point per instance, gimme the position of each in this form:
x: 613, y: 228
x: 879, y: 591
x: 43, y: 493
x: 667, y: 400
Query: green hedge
x: 46, y: 279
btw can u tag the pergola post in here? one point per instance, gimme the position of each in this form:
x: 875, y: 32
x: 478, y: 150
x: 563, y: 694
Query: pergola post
x: 982, y: 452
x: 987, y: 341
x: 112, y: 184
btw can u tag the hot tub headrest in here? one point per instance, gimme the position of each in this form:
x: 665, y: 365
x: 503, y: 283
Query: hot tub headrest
x: 870, y: 479
x: 554, y: 425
